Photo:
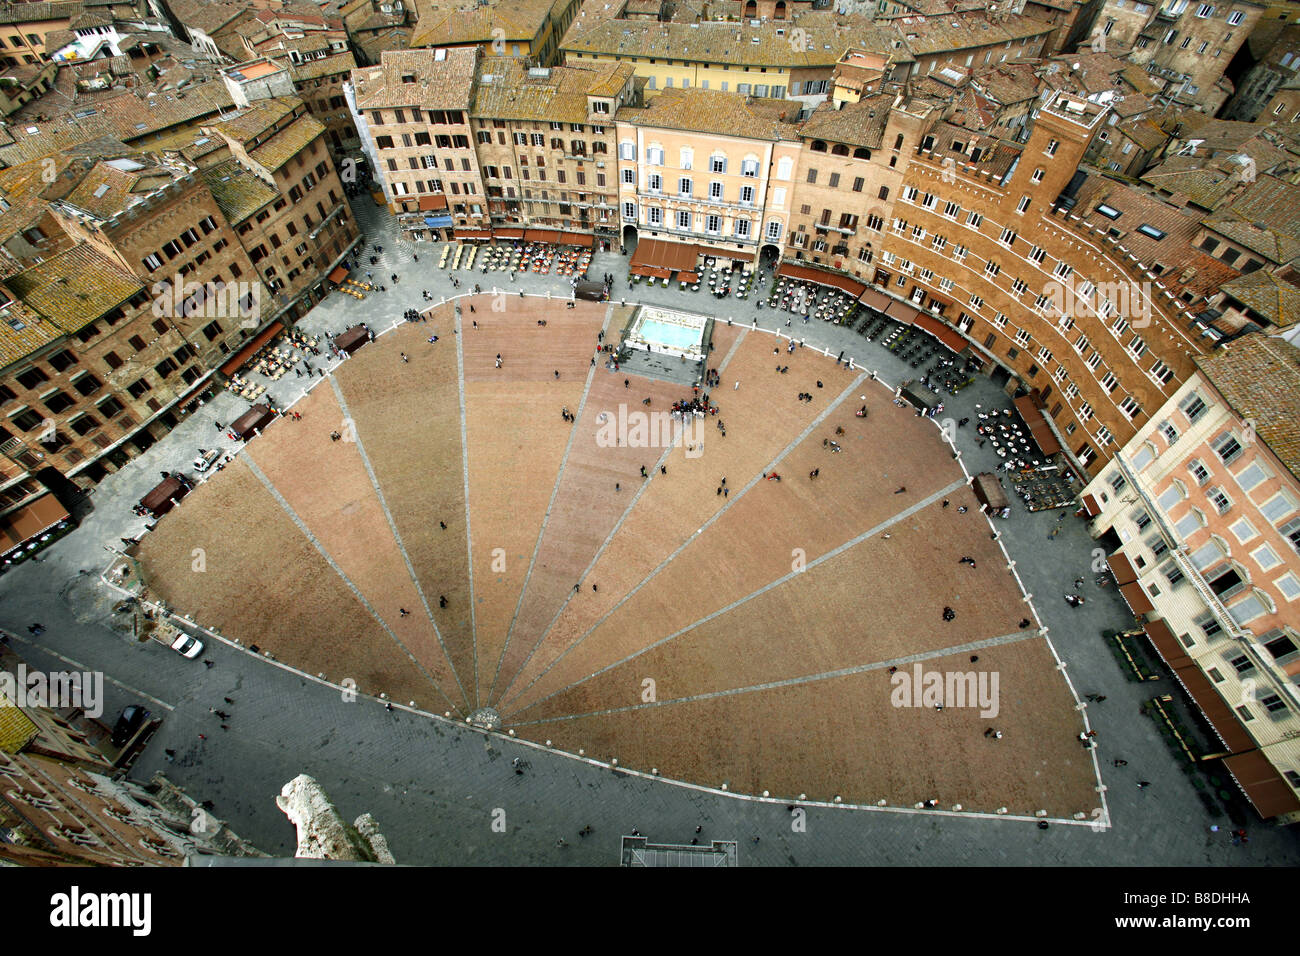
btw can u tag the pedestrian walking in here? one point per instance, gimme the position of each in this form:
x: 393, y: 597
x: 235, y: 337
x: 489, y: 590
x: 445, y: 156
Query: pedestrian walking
x: 1143, y: 784
x: 442, y: 601
x: 1119, y: 763
x: 442, y: 525
x: 227, y: 700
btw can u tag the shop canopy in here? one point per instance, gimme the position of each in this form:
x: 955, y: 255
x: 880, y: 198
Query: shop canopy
x: 250, y: 348
x: 734, y: 254
x: 949, y: 337
x: 831, y: 280
x: 1038, y: 426
x: 671, y: 256
x: 1262, y: 784
x: 1122, y: 568
x: 1220, y: 716
x: 30, y: 521
x: 902, y: 312
x: 1136, y: 598
x: 876, y: 300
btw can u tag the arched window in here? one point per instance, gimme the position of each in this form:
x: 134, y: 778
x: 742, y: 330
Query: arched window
x: 779, y: 13
x: 862, y: 153
x: 751, y: 9
x: 839, y: 149
x: 818, y: 146
x: 898, y: 143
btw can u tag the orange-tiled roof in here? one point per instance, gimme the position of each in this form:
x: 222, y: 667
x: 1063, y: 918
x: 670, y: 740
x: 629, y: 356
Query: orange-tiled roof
x: 438, y: 79
x: 712, y: 111
x: 1259, y: 376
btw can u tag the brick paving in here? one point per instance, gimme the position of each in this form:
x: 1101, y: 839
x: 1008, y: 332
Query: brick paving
x: 441, y: 814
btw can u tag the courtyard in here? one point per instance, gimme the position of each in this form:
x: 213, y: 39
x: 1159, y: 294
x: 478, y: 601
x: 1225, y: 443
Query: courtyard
x: 451, y: 776
x: 464, y: 548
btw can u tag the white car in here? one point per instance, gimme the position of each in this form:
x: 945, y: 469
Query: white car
x: 187, y: 646
x: 206, y: 460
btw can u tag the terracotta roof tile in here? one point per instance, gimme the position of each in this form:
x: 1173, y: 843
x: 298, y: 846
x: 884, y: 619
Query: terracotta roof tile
x: 513, y: 93
x: 74, y: 287
x: 824, y: 38
x: 711, y: 111
x: 1259, y: 377
x: 238, y: 193
x: 441, y: 80
x: 442, y: 23
x: 1274, y: 296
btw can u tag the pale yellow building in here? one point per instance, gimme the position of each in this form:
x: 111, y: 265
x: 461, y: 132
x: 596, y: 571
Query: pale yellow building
x: 711, y: 169
x: 1200, y: 512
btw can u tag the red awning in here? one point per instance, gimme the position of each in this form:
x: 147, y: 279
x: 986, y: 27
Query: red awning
x: 1262, y: 784
x: 250, y: 348
x: 473, y: 234
x: 1090, y: 506
x: 508, y: 233
x: 1167, y: 645
x: 674, y: 256
x: 877, y: 300
x: 736, y: 254
x: 653, y: 272
x: 1137, y: 599
x: 901, y: 312
x: 579, y: 239
x: 1038, y: 426
x: 688, y: 276
x: 19, y: 527
x: 429, y: 203
x: 1122, y: 568
x: 830, y: 279
x: 543, y: 235
x: 950, y: 338
x: 338, y: 275
x: 1220, y: 716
